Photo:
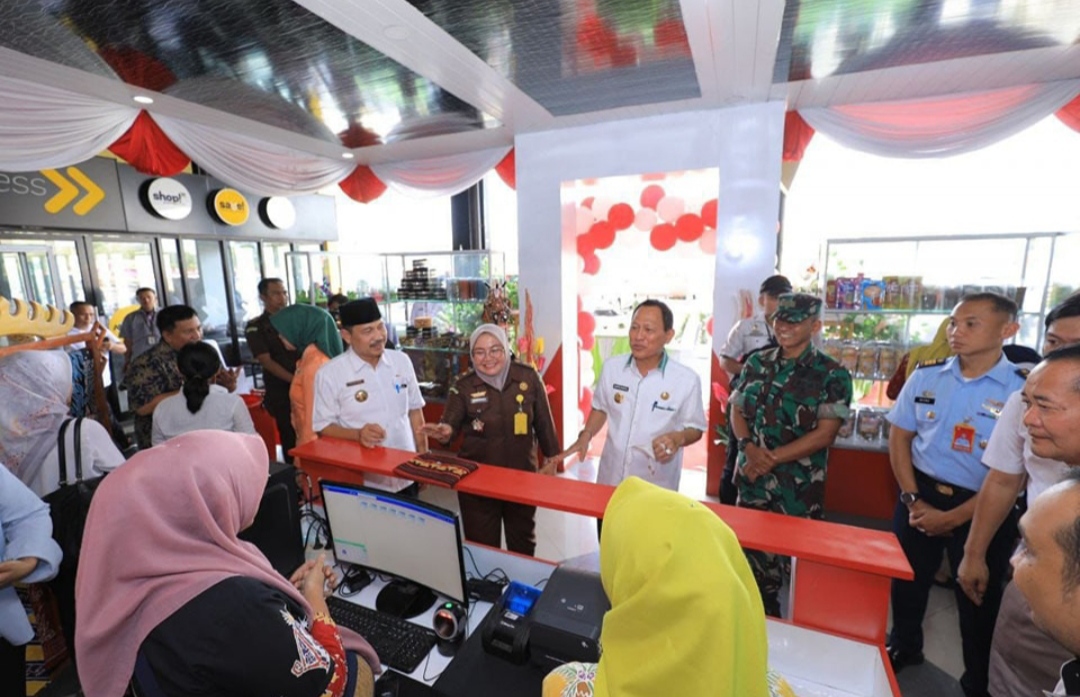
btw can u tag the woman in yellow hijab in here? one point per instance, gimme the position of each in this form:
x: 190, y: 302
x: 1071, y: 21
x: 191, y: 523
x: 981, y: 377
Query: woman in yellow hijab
x: 686, y: 616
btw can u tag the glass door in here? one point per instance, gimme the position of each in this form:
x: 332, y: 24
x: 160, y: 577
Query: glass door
x: 30, y: 273
x: 121, y: 268
x: 204, y: 270
x: 246, y: 275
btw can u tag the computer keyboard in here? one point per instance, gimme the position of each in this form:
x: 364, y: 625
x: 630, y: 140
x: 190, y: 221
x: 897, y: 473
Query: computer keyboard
x: 399, y: 643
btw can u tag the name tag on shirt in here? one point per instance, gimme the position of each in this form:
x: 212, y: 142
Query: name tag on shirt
x: 925, y: 400
x: 621, y: 388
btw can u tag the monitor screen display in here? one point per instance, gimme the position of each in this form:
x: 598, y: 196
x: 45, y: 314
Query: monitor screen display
x: 404, y: 537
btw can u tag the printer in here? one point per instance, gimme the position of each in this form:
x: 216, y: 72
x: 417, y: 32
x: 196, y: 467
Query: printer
x: 566, y: 621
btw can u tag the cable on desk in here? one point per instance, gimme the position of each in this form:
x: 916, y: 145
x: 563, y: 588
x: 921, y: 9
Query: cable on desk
x: 541, y: 582
x: 473, y: 560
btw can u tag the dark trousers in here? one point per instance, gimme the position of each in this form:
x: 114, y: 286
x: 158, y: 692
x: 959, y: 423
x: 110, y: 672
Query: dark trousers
x: 63, y: 587
x: 286, y: 433
x: 484, y: 520
x: 12, y: 669
x: 909, y: 598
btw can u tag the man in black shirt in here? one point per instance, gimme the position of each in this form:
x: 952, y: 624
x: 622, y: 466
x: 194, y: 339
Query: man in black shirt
x: 278, y: 362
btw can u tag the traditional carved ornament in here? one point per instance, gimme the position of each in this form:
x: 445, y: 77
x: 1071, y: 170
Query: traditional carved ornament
x: 33, y: 319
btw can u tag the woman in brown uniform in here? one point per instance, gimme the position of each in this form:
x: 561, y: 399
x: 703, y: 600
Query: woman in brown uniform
x: 501, y: 409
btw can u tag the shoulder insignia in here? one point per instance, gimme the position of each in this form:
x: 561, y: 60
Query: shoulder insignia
x: 930, y: 363
x: 1023, y: 372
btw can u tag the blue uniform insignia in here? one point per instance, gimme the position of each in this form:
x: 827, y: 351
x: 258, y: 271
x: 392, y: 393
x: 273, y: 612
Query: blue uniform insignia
x: 1023, y: 372
x: 930, y: 363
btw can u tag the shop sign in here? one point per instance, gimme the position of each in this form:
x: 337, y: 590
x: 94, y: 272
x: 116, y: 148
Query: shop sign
x: 168, y: 199
x: 278, y: 212
x: 85, y: 196
x: 229, y: 207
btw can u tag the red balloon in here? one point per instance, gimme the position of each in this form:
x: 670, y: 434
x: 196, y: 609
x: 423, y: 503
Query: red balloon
x: 587, y: 342
x: 586, y: 324
x: 708, y: 326
x: 621, y: 216
x: 663, y: 237
x: 585, y: 404
x: 602, y: 234
x: 651, y: 196
x: 586, y: 245
x: 592, y: 264
x: 689, y: 227
x: 579, y: 305
x: 587, y: 203
x: 708, y: 213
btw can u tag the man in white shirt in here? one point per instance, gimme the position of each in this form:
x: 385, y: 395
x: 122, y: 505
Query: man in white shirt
x: 651, y: 404
x: 85, y: 316
x: 1022, y: 655
x: 369, y: 394
x: 1046, y: 567
x: 755, y: 332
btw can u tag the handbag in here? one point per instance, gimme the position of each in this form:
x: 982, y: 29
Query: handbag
x: 69, y: 504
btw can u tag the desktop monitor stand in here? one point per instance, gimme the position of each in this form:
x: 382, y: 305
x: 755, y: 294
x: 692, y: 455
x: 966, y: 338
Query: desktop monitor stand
x: 404, y: 599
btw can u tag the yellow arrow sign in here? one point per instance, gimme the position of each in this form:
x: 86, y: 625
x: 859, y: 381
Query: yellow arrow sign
x: 68, y: 191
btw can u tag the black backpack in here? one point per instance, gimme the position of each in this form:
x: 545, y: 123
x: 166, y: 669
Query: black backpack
x: 70, y: 503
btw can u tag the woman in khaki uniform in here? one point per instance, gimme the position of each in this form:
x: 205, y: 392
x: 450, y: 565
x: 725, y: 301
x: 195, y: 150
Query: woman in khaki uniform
x: 501, y: 409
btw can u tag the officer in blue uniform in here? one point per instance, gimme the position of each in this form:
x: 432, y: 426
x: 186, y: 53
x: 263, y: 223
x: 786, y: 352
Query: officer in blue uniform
x: 941, y: 424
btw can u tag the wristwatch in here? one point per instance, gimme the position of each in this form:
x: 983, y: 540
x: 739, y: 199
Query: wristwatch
x: 909, y: 497
x: 743, y: 442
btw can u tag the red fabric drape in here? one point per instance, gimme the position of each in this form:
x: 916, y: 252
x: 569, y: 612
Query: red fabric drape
x: 507, y: 169
x: 1070, y: 114
x: 797, y: 135
x: 146, y: 148
x: 362, y: 185
x: 136, y: 68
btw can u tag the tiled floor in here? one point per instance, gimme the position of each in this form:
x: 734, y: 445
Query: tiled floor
x: 563, y: 536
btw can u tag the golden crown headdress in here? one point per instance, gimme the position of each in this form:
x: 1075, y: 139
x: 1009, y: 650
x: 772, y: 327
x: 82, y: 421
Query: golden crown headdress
x: 33, y: 319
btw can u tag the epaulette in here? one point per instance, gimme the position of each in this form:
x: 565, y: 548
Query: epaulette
x: 1023, y: 372
x: 930, y: 363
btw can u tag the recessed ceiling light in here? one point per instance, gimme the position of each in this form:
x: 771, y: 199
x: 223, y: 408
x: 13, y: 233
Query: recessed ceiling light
x: 348, y: 155
x: 143, y: 99
x: 395, y: 32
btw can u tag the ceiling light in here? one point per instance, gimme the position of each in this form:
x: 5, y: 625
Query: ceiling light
x: 395, y: 32
x: 143, y: 99
x: 348, y: 155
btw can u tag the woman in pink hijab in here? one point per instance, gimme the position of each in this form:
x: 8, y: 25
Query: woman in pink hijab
x: 163, y: 578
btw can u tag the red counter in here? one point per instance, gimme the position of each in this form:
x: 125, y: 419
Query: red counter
x: 840, y: 577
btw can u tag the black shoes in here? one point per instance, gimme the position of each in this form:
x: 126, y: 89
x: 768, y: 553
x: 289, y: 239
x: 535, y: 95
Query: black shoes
x: 900, y: 659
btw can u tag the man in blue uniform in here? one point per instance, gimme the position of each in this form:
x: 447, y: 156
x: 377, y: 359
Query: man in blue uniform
x: 941, y: 424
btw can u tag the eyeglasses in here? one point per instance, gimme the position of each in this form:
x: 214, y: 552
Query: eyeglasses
x: 481, y: 354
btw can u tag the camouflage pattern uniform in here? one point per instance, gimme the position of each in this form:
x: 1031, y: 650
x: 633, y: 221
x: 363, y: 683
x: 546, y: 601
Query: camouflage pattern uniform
x: 782, y: 400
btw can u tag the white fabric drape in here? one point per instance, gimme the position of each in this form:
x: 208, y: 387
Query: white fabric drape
x: 439, y: 176
x: 44, y: 127
x: 251, y: 164
x: 940, y: 126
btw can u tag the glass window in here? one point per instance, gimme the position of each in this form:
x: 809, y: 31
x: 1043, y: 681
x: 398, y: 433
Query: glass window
x: 205, y: 274
x: 12, y: 283
x: 246, y: 276
x: 122, y: 268
x: 273, y: 255
x: 500, y: 220
x: 39, y: 271
x: 172, y: 272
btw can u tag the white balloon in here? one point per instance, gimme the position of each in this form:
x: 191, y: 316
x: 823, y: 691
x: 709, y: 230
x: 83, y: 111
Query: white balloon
x: 670, y: 208
x: 584, y: 281
x: 585, y: 220
x: 633, y: 238
x: 601, y: 206
x: 569, y: 218
x: 580, y: 266
x: 645, y: 219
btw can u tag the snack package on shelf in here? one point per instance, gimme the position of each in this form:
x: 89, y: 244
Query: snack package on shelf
x: 866, y: 362
x: 873, y: 295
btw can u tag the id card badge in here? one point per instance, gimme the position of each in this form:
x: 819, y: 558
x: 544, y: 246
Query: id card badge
x: 963, y: 438
x: 521, y: 419
x: 151, y: 340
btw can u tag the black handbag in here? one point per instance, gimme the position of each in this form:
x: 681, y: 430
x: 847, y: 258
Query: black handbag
x: 70, y: 503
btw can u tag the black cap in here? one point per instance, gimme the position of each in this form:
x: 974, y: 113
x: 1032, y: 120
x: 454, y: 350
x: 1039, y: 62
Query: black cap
x: 360, y: 311
x: 775, y: 285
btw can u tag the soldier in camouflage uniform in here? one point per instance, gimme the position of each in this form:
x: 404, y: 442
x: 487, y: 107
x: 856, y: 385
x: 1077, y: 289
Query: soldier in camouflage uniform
x: 785, y: 413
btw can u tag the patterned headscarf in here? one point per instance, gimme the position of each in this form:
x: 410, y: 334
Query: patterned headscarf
x: 35, y: 390
x: 303, y: 325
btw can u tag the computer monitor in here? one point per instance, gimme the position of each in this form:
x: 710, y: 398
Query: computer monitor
x: 417, y: 543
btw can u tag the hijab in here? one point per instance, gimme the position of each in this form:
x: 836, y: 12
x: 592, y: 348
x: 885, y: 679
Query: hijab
x: 161, y: 530
x: 498, y: 380
x: 686, y: 616
x: 35, y: 391
x: 936, y: 349
x: 303, y: 325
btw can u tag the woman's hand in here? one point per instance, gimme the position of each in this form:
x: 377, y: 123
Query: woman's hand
x: 315, y: 580
x: 440, y: 432
x: 15, y: 570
